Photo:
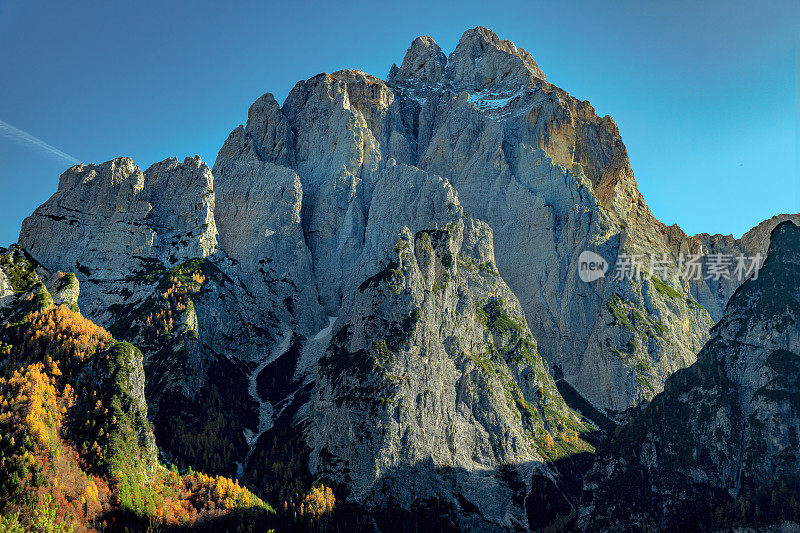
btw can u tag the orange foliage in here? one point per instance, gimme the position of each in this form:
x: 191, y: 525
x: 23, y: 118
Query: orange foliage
x: 573, y: 439
x: 188, y: 498
x: 31, y: 405
x: 64, y: 335
x: 36, y: 393
x: 318, y: 502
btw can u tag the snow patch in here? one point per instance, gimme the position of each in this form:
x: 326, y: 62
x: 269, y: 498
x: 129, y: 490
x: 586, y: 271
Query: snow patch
x: 494, y: 103
x: 325, y: 332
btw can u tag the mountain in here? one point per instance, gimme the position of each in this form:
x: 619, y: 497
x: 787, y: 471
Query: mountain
x: 718, y: 448
x: 375, y: 289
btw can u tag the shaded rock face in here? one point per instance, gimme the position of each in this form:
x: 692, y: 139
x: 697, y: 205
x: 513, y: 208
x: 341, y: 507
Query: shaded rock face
x: 126, y: 372
x: 354, y: 247
x: 724, y: 433
x: 714, y: 294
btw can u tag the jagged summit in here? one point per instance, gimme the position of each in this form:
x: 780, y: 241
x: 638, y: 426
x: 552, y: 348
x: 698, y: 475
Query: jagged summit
x: 480, y: 61
x: 424, y: 61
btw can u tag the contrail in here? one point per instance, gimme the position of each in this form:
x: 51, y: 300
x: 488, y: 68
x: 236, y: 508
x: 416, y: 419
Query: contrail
x: 15, y: 134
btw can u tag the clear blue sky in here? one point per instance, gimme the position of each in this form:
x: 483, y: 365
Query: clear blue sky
x: 705, y: 93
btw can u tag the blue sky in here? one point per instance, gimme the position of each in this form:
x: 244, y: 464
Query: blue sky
x: 705, y: 93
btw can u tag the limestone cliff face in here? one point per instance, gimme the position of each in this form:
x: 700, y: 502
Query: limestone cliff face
x: 113, y: 220
x: 552, y: 179
x: 724, y: 432
x: 538, y: 165
x: 259, y: 221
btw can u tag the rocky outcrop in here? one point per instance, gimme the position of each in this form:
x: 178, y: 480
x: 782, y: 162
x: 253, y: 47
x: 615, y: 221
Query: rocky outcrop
x: 119, y: 373
x: 721, y: 440
x: 114, y: 221
x: 6, y: 287
x: 21, y: 288
x: 713, y: 294
x: 432, y: 374
x: 65, y: 289
x: 483, y: 61
x: 423, y: 63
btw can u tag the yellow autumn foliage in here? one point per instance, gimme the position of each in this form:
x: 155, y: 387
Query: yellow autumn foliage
x: 32, y: 392
x: 318, y: 502
x: 64, y: 335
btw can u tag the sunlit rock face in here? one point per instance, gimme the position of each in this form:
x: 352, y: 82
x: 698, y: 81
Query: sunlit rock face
x: 432, y: 383
x: 553, y: 179
x: 106, y: 222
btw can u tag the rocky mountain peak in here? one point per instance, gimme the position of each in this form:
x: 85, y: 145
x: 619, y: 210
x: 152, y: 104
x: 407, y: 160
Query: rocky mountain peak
x: 771, y: 301
x: 424, y: 62
x: 118, y: 177
x: 482, y: 60
x: 399, y: 261
x: 268, y: 131
x: 112, y: 219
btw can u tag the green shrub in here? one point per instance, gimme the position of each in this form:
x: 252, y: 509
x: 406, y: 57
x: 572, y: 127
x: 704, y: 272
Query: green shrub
x: 664, y: 289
